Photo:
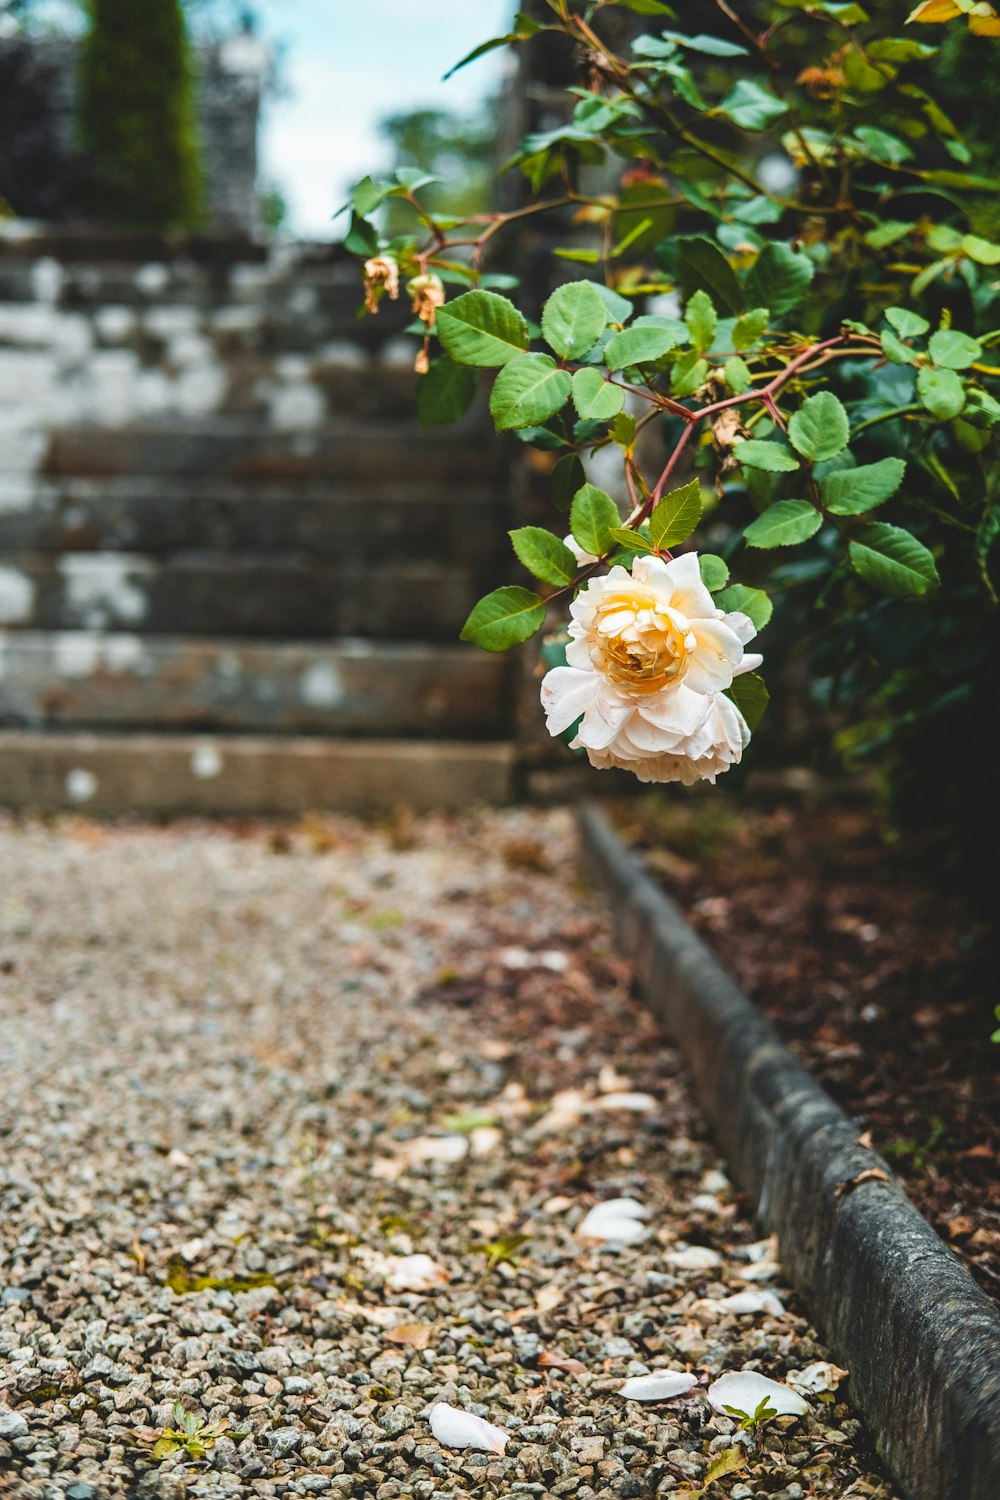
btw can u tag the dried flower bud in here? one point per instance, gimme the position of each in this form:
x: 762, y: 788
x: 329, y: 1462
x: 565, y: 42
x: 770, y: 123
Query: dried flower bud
x: 427, y: 293
x: 381, y: 275
x: 422, y: 363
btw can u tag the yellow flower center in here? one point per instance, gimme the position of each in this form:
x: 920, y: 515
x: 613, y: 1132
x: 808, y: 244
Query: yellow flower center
x: 641, y: 648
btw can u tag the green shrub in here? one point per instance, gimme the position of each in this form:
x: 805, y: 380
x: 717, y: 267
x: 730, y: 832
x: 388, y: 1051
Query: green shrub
x: 137, y: 115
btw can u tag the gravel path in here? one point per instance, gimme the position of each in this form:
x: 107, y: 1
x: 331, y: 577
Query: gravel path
x: 246, y: 1075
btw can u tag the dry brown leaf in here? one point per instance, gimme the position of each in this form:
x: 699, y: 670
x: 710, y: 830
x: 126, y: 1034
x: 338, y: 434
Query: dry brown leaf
x: 415, y: 1335
x: 547, y: 1361
x: 865, y: 1141
x: 960, y: 1226
x: 873, y: 1174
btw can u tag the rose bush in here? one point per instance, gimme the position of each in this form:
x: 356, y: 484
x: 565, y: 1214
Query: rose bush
x: 778, y: 310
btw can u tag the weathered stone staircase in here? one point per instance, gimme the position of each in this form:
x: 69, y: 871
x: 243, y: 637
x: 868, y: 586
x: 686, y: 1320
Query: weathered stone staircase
x: 232, y: 568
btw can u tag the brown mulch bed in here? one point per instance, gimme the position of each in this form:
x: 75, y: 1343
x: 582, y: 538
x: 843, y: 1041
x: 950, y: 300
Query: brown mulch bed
x: 881, y: 984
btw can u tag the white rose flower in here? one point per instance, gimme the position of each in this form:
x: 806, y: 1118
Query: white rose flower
x: 649, y: 658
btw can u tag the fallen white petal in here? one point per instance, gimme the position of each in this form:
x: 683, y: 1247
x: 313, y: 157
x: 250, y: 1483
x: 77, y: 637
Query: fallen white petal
x: 640, y: 1103
x: 752, y: 1302
x: 620, y: 1229
x: 821, y: 1376
x: 455, y: 1428
x: 621, y: 1208
x: 694, y: 1258
x: 760, y: 1250
x: 449, y: 1148
x: 415, y: 1273
x: 610, y: 1081
x: 761, y: 1270
x: 744, y: 1390
x: 660, y: 1386
x: 485, y: 1139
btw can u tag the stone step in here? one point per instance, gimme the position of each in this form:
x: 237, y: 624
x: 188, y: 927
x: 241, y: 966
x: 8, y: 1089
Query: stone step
x: 289, y: 596
x: 94, y: 679
x: 251, y: 776
x: 400, y: 517
x: 344, y: 450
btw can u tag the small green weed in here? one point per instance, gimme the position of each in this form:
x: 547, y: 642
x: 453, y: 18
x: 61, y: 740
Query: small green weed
x: 192, y: 1436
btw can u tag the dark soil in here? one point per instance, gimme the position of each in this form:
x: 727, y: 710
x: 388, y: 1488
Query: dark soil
x: 881, y: 984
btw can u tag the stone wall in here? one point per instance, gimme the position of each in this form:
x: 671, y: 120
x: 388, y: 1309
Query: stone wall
x: 217, y: 511
x: 43, y: 173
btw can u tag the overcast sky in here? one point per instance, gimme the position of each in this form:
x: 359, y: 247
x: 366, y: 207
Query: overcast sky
x: 346, y: 65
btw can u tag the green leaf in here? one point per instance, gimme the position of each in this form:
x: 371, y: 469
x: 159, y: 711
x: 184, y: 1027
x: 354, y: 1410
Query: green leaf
x: 524, y: 26
x: 893, y: 561
x: 361, y: 238
x: 584, y: 257
x: 888, y: 233
x: 527, y: 391
x: 623, y: 429
x: 711, y: 46
x: 675, y: 516
x: 853, y: 492
x: 751, y: 107
x: 908, y: 324
x: 941, y: 392
x: 757, y: 453
x: 778, y: 278
x: 638, y: 346
x: 714, y: 573
x: 544, y: 555
x: 565, y: 479
x: 647, y: 7
x: 951, y: 350
x: 784, y: 524
x: 688, y: 374
x: 749, y: 327
x: 445, y: 393
x: 984, y: 252
x: 749, y: 692
x: 895, y: 350
x: 504, y: 618
x: 593, y: 520
x: 573, y: 319
x: 620, y: 309
x: 164, y: 1447
x: 481, y: 328
x: 594, y: 397
x: 368, y: 195
x: 753, y: 603
x: 701, y: 266
x: 633, y: 540
x: 702, y: 320
x: 819, y: 429
x: 737, y: 374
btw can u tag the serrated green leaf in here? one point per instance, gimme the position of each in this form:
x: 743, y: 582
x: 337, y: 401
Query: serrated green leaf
x: 593, y: 520
x: 749, y: 327
x: 751, y: 107
x: 528, y: 390
x: 784, y: 524
x: 907, y: 323
x: 544, y: 555
x: 623, y: 430
x: 361, y: 238
x: 675, y: 516
x: 893, y: 561
x: 368, y: 195
x: 951, y: 350
x: 482, y: 329
x: 711, y: 46
x: 688, y: 374
x: 638, y: 346
x: 941, y: 392
x: 779, y: 278
x: 853, y: 492
x: 633, y: 540
x: 701, y: 266
x: 595, y: 398
x: 758, y: 453
x: 573, y: 319
x: 819, y: 429
x: 737, y: 374
x: 445, y: 393
x: 753, y: 603
x: 701, y: 320
x: 620, y: 309
x: 505, y: 618
x: 714, y: 573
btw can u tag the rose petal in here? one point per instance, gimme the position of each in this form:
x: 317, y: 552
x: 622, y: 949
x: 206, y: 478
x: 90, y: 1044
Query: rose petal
x: 753, y: 1302
x: 660, y: 1386
x: 455, y: 1428
x: 817, y: 1377
x: 415, y: 1273
x: 695, y: 1258
x: 744, y: 1390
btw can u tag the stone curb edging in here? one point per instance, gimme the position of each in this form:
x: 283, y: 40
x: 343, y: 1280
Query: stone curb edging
x: 920, y: 1339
